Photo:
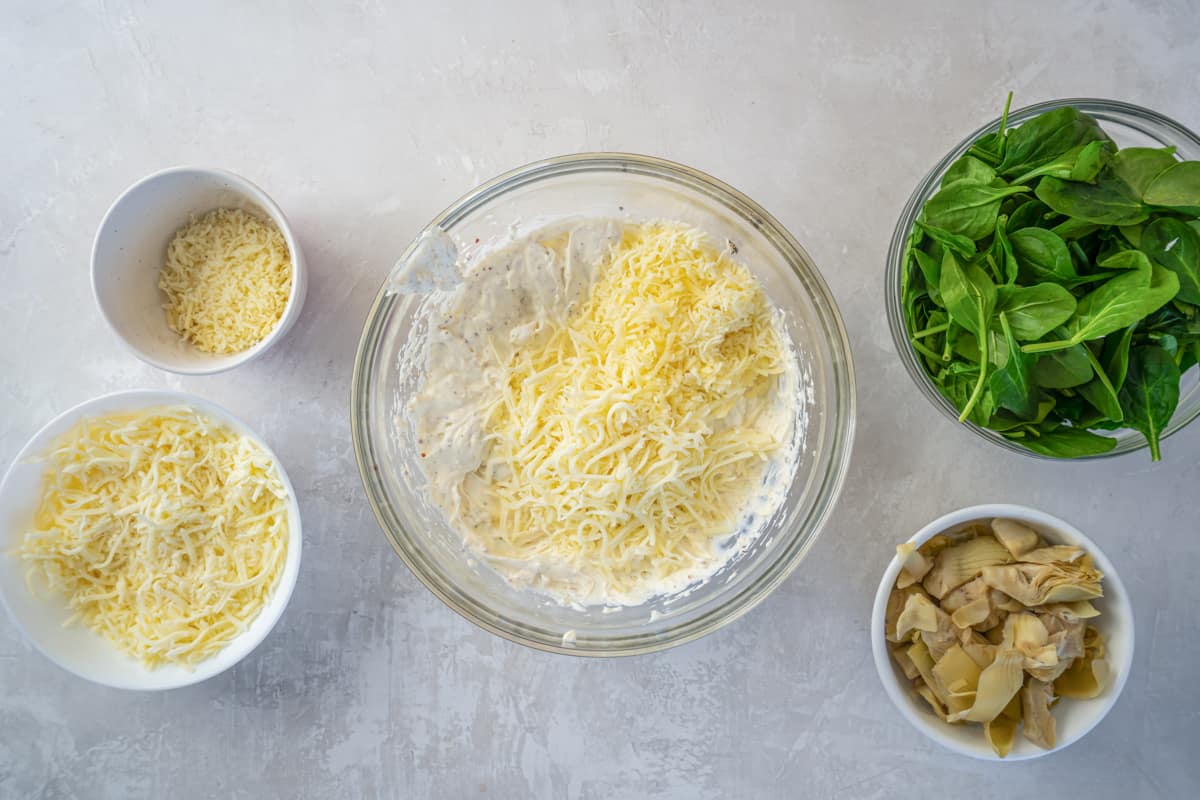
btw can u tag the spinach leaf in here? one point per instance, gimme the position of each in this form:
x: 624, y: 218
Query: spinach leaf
x: 1011, y: 385
x: 1047, y: 136
x: 1109, y: 201
x: 1150, y: 394
x: 1030, y: 214
x: 1041, y: 255
x: 1072, y: 229
x: 1100, y: 392
x: 931, y: 270
x: 1176, y: 187
x: 1081, y: 163
x: 969, y: 168
x: 969, y: 295
x: 1115, y: 356
x: 1092, y: 158
x: 1116, y: 303
x: 1002, y: 252
x: 1065, y: 442
x: 966, y: 208
x: 1063, y: 369
x: 1034, y: 311
x: 959, y: 245
x: 1176, y: 246
x: 1139, y: 166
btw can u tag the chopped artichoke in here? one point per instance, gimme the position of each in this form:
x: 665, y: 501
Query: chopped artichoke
x: 1085, y: 678
x: 1001, y: 732
x: 998, y: 628
x: 895, y: 604
x: 1002, y: 602
x: 1039, y: 584
x: 919, y: 614
x: 938, y: 707
x: 913, y: 565
x: 956, y: 676
x: 1018, y: 539
x: 1049, y: 555
x: 973, y: 613
x: 1027, y: 634
x: 1039, y: 726
x: 1080, y: 609
x: 961, y: 562
x: 981, y: 651
x: 998, y: 684
x: 964, y: 595
x: 906, y: 664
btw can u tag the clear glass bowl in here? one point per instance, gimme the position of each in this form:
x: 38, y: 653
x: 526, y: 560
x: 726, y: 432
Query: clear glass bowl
x: 1129, y: 126
x: 635, y: 188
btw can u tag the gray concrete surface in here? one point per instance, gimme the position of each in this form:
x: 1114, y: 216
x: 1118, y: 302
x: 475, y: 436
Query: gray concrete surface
x: 363, y: 120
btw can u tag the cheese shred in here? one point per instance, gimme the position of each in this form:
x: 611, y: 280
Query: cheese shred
x: 165, y: 531
x: 227, y: 279
x: 627, y: 440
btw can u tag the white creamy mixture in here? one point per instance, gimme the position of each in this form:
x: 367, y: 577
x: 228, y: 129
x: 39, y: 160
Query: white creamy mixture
x: 512, y: 298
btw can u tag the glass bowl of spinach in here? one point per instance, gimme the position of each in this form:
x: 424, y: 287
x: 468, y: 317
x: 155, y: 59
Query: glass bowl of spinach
x: 1043, y: 282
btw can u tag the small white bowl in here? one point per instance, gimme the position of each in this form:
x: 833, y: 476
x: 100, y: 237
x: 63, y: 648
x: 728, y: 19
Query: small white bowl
x: 78, y: 649
x: 1074, y: 717
x: 131, y: 247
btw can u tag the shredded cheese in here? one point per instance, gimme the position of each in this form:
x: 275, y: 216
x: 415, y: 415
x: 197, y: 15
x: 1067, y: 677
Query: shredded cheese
x: 227, y: 278
x: 626, y: 441
x: 165, y: 531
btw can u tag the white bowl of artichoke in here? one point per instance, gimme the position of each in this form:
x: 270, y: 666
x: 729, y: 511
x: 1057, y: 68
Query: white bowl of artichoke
x: 1002, y: 632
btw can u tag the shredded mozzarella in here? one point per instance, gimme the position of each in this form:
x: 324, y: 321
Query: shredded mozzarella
x: 165, y: 531
x: 227, y: 278
x: 626, y: 441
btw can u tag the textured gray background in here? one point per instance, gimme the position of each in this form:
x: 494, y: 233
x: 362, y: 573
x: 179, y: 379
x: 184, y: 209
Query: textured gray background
x: 365, y: 121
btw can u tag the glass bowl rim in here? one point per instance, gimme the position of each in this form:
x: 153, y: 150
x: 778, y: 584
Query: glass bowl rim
x: 908, y: 215
x: 839, y: 448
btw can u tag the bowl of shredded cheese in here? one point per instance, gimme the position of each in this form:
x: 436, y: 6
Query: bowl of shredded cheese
x: 197, y: 270
x: 603, y: 405
x: 148, y: 540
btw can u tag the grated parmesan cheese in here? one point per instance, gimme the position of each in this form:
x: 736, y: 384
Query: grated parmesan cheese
x: 227, y: 278
x: 627, y: 440
x: 165, y: 531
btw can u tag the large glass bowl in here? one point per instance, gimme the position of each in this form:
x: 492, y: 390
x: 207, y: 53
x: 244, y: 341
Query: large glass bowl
x: 1129, y: 126
x: 634, y: 188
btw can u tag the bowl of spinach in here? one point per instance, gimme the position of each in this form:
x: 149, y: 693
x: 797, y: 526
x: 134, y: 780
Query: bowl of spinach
x: 1044, y: 280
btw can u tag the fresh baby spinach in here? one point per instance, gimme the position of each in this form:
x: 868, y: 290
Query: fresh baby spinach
x: 1051, y: 285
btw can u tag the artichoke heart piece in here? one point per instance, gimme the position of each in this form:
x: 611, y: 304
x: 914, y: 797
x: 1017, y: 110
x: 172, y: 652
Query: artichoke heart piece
x: 1039, y: 584
x: 942, y: 639
x: 1018, y: 539
x: 1027, y: 634
x: 1052, y: 554
x: 1038, y: 723
x: 1001, y: 732
x: 959, y: 563
x: 998, y: 685
x: 919, y: 613
x: 895, y: 604
x: 906, y: 665
x: 956, y: 676
x: 913, y: 565
x: 923, y: 691
x: 978, y: 648
x: 1080, y: 609
x: 1088, y: 674
x: 975, y: 612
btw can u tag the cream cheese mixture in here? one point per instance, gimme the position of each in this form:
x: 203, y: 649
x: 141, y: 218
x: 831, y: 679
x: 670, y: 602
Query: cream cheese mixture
x: 606, y: 411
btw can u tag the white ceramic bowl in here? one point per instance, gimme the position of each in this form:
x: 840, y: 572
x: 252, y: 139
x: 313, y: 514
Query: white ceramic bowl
x: 131, y: 246
x: 1075, y: 717
x: 76, y: 648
